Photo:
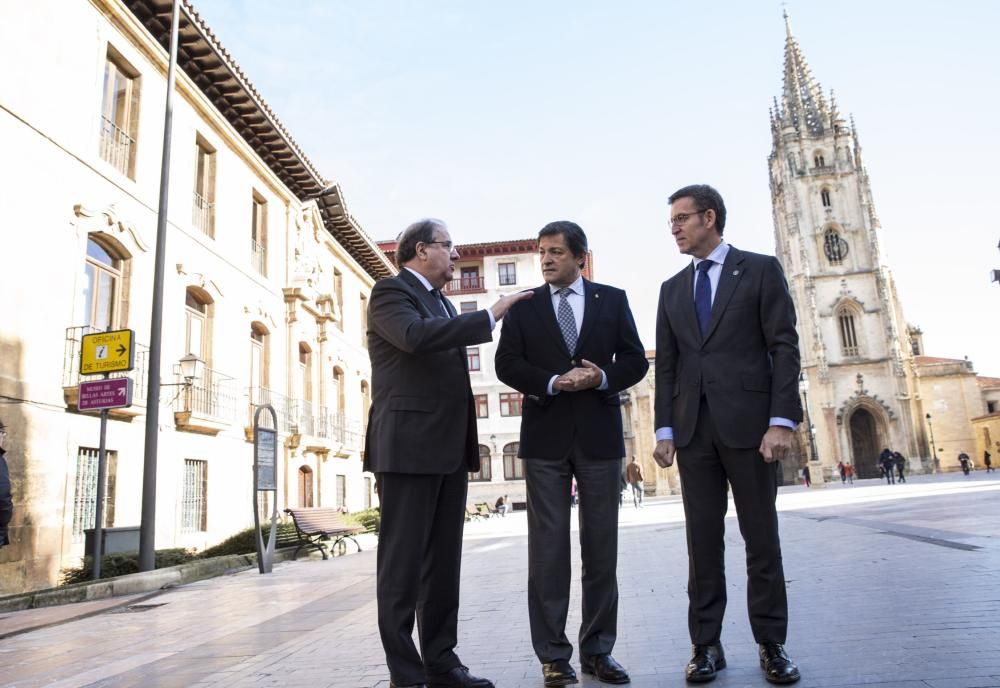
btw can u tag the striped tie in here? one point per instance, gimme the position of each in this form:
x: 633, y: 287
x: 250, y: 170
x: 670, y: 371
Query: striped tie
x: 567, y: 321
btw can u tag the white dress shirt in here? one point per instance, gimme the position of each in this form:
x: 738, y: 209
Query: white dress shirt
x: 576, y: 300
x: 430, y: 287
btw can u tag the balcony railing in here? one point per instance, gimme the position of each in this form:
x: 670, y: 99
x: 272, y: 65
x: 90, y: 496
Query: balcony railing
x: 116, y: 146
x: 213, y: 395
x: 337, y: 426
x: 822, y: 169
x: 71, y: 364
x: 466, y: 285
x: 203, y: 214
x: 260, y: 396
x: 258, y: 256
x: 302, y: 417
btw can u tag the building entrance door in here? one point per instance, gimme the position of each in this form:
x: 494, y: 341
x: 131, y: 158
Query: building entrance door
x: 864, y: 444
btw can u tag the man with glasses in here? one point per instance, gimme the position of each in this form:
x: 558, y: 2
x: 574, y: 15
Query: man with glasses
x: 6, y: 499
x: 570, y: 351
x: 421, y: 444
x: 727, y: 368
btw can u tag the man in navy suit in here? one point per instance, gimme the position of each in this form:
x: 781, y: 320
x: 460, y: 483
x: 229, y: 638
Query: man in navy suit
x: 570, y: 350
x: 421, y: 444
x: 727, y: 368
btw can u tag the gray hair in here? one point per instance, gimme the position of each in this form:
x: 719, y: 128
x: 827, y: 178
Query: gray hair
x: 421, y: 231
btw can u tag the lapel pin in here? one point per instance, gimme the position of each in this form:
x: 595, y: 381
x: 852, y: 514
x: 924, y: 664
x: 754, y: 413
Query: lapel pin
x: 597, y: 296
x: 735, y: 272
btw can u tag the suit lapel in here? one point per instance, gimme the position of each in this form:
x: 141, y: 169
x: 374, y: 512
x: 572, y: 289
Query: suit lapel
x: 592, y: 303
x: 732, y: 271
x: 542, y: 300
x: 432, y: 305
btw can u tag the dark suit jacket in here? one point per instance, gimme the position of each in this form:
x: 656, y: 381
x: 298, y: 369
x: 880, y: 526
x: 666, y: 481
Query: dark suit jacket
x: 532, y: 350
x: 747, y: 365
x: 422, y: 418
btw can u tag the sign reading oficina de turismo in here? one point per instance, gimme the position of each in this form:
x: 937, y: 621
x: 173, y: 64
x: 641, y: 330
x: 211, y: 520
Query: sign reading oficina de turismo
x: 107, y: 352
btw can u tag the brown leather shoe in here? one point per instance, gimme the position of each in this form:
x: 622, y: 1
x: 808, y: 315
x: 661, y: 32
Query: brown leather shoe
x: 706, y: 660
x: 777, y: 666
x: 558, y: 673
x: 604, y: 668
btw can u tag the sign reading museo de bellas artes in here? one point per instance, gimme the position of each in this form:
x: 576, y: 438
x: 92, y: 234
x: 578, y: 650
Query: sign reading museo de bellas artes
x: 107, y: 352
x: 105, y: 394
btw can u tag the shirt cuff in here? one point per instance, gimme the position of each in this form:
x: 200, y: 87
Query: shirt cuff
x: 783, y: 423
x: 604, y: 382
x: 552, y: 392
x: 664, y: 434
x: 493, y: 320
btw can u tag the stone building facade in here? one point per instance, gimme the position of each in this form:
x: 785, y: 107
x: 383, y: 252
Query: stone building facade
x: 267, y: 283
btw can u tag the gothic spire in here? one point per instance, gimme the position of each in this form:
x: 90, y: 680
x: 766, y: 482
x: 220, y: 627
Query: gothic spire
x: 803, y: 103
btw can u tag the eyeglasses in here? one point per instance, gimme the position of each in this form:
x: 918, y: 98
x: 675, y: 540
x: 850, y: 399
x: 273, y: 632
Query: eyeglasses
x: 448, y: 245
x: 683, y: 217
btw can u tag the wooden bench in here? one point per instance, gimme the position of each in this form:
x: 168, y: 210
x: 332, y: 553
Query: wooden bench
x: 316, y: 525
x: 484, y: 510
x: 471, y: 513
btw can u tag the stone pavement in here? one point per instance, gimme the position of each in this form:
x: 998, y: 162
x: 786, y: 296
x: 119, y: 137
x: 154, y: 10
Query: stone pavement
x: 889, y: 586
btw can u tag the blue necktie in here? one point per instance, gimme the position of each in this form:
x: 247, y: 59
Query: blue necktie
x: 566, y: 319
x: 439, y: 297
x: 703, y: 296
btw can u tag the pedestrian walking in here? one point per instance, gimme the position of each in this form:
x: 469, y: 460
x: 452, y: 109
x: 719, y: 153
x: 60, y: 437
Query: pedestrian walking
x: 900, y: 461
x: 987, y: 460
x: 842, y: 469
x: 6, y: 490
x: 963, y: 460
x: 849, y: 470
x: 885, y: 463
x: 421, y: 445
x: 806, y: 478
x: 633, y: 473
x: 727, y: 402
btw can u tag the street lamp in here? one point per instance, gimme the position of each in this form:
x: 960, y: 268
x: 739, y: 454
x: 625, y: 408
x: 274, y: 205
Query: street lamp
x: 191, y: 367
x: 930, y: 427
x: 804, y: 388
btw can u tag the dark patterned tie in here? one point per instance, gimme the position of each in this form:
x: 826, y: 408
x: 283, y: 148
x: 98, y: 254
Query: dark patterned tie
x: 703, y: 296
x: 567, y: 321
x: 436, y: 293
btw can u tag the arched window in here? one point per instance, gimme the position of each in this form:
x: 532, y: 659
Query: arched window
x: 102, y: 293
x: 259, y: 337
x: 339, y: 390
x: 819, y: 159
x: 824, y: 196
x: 197, y: 324
x: 834, y: 246
x: 848, y: 331
x: 305, y: 486
x: 484, y: 474
x: 305, y: 371
x: 513, y: 467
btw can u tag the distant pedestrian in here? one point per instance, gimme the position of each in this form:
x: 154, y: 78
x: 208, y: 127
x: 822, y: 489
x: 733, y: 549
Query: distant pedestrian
x: 842, y: 469
x: 885, y: 463
x: 6, y: 497
x: 964, y: 461
x: 849, y: 469
x: 900, y: 462
x: 806, y: 477
x: 633, y: 473
x: 987, y: 460
x: 502, y: 506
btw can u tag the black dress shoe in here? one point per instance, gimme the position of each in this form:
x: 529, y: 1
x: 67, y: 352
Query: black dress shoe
x: 459, y: 677
x: 408, y: 685
x: 604, y: 668
x: 778, y: 668
x: 558, y: 673
x: 705, y: 661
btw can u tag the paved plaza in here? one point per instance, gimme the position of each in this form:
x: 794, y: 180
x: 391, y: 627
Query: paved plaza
x: 891, y: 586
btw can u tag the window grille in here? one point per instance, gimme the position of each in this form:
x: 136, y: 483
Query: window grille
x: 194, y: 504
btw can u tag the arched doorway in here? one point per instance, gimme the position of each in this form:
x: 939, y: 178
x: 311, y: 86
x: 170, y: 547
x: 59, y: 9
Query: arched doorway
x: 864, y: 444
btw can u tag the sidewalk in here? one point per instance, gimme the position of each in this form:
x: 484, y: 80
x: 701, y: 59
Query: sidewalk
x: 888, y: 586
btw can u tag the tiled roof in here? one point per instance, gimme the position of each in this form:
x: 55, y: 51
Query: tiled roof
x: 216, y: 73
x: 988, y: 381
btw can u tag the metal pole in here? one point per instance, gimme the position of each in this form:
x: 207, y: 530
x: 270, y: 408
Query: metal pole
x: 98, y: 550
x: 147, y: 526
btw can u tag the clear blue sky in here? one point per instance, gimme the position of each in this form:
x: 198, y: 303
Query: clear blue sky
x: 500, y: 117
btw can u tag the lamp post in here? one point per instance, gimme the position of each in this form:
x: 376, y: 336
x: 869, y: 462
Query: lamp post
x: 813, y: 454
x: 934, y: 456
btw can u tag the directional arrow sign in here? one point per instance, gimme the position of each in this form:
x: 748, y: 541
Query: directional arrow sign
x: 107, y: 352
x: 105, y: 394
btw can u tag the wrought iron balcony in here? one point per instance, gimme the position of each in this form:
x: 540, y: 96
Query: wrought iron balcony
x: 258, y: 256
x: 116, y: 146
x: 212, y: 396
x: 466, y: 285
x: 203, y: 214
x: 259, y: 396
x: 337, y: 426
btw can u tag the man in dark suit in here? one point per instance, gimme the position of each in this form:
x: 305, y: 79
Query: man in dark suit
x: 421, y: 443
x: 570, y: 350
x: 727, y: 366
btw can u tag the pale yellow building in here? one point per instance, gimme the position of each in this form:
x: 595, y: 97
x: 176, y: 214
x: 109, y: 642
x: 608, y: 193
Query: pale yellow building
x: 267, y: 282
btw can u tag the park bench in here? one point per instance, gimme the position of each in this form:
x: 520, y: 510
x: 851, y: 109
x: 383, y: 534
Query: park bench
x: 471, y: 513
x: 316, y: 525
x: 485, y: 510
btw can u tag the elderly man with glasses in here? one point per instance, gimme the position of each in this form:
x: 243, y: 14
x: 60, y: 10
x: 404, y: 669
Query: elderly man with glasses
x: 421, y: 444
x: 727, y: 368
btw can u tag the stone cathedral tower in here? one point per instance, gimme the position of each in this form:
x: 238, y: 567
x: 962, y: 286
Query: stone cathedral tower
x: 857, y: 350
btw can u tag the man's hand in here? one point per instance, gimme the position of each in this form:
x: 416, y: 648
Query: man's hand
x: 776, y: 444
x: 501, y: 307
x: 663, y: 454
x: 580, y: 378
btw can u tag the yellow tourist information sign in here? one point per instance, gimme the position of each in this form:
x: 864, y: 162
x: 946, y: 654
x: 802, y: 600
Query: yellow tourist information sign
x: 107, y: 352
